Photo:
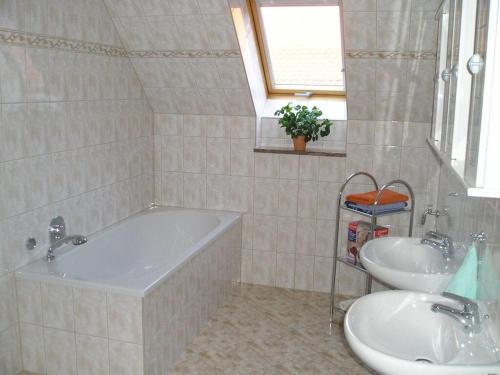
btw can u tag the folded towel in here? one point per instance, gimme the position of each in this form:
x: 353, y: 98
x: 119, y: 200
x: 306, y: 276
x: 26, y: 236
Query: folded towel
x: 379, y: 209
x: 388, y: 196
x: 464, y: 282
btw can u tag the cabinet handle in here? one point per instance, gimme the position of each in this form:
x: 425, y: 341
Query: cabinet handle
x: 445, y: 75
x: 475, y: 64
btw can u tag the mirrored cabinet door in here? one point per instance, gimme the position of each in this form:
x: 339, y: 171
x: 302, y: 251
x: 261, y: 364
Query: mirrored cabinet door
x: 476, y: 68
x: 467, y: 84
x: 450, y: 74
x: 449, y: 16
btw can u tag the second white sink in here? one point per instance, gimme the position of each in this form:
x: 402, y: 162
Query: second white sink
x: 396, y: 333
x: 404, y: 263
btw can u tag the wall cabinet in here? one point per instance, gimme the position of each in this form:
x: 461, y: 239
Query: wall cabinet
x: 466, y: 120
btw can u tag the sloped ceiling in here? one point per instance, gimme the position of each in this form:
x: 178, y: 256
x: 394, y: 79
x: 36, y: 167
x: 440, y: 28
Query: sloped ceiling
x: 186, y: 55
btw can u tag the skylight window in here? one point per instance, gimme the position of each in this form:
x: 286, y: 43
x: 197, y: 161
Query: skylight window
x: 300, y: 42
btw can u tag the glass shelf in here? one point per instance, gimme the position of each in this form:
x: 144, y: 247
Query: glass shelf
x: 345, y: 208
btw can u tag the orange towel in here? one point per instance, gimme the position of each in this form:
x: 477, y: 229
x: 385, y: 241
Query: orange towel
x: 388, y: 196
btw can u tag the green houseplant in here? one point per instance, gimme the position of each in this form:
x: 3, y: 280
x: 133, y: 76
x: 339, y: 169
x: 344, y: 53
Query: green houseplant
x: 303, y: 124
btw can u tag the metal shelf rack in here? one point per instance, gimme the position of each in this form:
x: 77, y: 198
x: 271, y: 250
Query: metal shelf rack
x: 373, y: 223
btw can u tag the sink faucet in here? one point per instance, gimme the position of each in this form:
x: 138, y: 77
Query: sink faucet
x: 432, y: 212
x: 468, y: 316
x: 58, y: 237
x: 441, y: 242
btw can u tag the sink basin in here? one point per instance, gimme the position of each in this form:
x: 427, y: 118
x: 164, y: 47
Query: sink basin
x: 396, y: 333
x: 404, y: 263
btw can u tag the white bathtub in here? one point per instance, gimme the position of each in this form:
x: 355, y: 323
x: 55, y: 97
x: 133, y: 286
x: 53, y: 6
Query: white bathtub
x: 135, y: 255
x: 137, y: 293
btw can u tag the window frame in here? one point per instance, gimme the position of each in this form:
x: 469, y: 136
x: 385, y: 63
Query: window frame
x: 265, y: 65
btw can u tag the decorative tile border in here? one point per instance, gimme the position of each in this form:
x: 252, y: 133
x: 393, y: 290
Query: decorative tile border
x: 18, y: 38
x: 391, y: 55
x: 185, y: 53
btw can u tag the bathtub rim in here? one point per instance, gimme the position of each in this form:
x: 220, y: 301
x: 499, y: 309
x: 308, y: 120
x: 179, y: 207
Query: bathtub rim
x: 231, y: 219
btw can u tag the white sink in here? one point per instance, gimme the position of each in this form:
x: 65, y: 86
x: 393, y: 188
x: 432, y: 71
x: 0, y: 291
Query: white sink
x: 396, y: 333
x: 404, y: 263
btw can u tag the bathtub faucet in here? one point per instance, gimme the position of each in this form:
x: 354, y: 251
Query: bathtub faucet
x: 58, y: 237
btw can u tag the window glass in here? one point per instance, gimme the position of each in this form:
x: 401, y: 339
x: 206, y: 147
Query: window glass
x: 301, y: 47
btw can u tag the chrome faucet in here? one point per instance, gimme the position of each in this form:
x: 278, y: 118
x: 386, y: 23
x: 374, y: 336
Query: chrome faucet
x: 440, y: 242
x: 58, y: 237
x: 468, y: 316
x: 429, y: 211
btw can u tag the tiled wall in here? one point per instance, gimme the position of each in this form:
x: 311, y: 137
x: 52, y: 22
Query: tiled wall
x: 186, y: 54
x: 75, y: 135
x: 468, y: 215
x: 288, y: 201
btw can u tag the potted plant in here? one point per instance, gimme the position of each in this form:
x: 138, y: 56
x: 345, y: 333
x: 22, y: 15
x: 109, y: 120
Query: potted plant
x: 303, y: 124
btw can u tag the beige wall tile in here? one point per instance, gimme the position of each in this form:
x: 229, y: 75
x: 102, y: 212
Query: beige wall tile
x: 306, y: 236
x: 289, y: 166
x: 332, y: 169
x: 92, y: 355
x: 423, y: 32
x: 360, y: 5
x: 60, y: 352
x: 322, y: 274
x: 360, y: 74
x: 195, y: 190
x: 10, y: 356
x: 218, y: 155
x: 124, y: 318
x: 266, y: 196
x: 361, y: 105
x: 8, y: 306
x: 12, y: 74
x: 325, y: 231
x: 246, y: 266
x: 57, y: 306
x: 218, y: 190
x: 285, y: 270
x: 263, y: 267
x: 242, y: 160
x: 308, y: 167
x: 393, y: 29
x: 90, y: 309
x: 32, y: 348
x: 265, y: 232
x: 287, y: 234
x: 288, y: 197
x: 356, y: 37
x: 125, y: 358
x: 307, y: 199
x: 304, y: 272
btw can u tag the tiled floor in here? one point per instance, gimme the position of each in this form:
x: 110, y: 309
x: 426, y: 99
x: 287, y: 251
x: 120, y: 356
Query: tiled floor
x: 270, y: 331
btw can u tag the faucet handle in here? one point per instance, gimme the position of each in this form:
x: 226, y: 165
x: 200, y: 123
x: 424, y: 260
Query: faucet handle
x: 57, y: 229
x: 469, y: 305
x: 437, y: 235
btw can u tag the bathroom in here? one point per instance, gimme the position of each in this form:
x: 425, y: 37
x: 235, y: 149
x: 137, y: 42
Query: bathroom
x: 155, y: 218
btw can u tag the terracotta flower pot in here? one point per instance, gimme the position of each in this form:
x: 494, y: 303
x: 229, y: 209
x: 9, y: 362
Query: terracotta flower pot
x: 299, y: 143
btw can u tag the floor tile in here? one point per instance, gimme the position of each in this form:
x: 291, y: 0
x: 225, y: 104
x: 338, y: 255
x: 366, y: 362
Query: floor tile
x: 271, y: 331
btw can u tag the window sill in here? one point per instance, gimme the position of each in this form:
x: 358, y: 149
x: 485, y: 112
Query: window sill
x: 333, y: 108
x: 311, y: 151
